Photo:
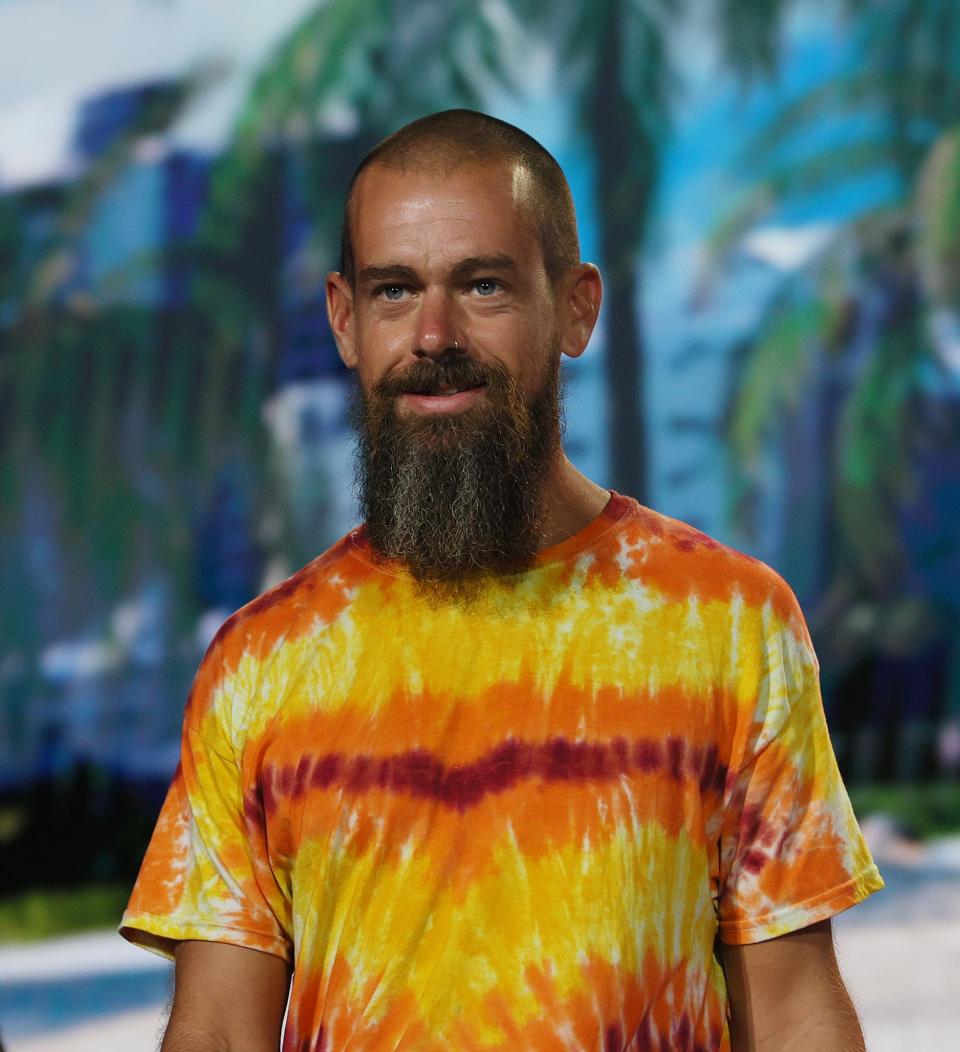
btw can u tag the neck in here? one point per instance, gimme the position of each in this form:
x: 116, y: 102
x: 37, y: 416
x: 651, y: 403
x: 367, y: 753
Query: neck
x: 570, y: 501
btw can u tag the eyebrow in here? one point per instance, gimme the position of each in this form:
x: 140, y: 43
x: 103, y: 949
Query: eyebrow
x: 462, y: 269
x: 386, y: 272
x: 498, y: 261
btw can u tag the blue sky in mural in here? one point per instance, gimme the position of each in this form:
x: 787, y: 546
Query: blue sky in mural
x: 707, y: 171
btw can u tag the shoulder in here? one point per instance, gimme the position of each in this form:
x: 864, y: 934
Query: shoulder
x: 683, y: 561
x: 258, y: 634
x: 312, y: 596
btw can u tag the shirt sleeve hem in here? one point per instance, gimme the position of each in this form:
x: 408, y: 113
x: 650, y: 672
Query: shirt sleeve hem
x: 801, y: 915
x: 161, y: 934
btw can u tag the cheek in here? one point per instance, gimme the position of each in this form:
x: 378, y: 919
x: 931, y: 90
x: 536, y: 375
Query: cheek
x: 538, y: 355
x: 378, y: 350
x: 523, y: 344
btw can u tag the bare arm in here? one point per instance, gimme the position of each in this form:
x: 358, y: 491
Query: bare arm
x: 787, y: 994
x: 226, y: 999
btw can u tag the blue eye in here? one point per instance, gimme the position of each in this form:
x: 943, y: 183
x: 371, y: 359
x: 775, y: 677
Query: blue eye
x: 486, y: 286
x: 392, y: 292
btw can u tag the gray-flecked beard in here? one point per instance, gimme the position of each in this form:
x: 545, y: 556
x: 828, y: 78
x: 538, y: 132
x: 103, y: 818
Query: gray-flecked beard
x: 457, y: 497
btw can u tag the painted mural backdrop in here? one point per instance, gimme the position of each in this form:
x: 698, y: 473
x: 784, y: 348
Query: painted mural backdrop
x: 772, y: 191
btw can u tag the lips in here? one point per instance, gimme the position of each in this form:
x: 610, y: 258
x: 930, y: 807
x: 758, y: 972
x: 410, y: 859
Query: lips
x: 445, y: 390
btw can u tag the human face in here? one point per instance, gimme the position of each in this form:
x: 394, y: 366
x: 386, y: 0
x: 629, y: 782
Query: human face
x: 456, y: 333
x: 446, y: 263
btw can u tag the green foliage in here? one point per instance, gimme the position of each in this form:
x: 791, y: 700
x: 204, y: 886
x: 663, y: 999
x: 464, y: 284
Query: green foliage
x: 749, y: 34
x: 904, y: 93
x: 42, y: 913
x: 803, y: 177
x: 109, y: 422
x: 347, y: 70
x: 77, y: 386
x: 938, y: 211
x: 924, y: 811
x: 905, y: 81
x: 239, y: 252
x: 770, y: 383
x: 941, y: 208
x: 914, y: 48
x: 775, y: 373
x: 12, y: 242
x: 872, y: 469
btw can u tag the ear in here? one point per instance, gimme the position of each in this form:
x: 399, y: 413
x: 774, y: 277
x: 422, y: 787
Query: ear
x: 341, y: 317
x: 580, y: 294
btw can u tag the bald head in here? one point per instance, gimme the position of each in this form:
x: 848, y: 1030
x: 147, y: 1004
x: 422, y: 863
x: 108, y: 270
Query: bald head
x: 444, y: 142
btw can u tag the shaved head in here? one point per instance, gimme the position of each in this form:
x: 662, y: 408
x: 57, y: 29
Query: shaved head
x: 446, y: 141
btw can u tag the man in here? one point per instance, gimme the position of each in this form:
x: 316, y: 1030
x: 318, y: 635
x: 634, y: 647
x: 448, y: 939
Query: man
x: 519, y: 763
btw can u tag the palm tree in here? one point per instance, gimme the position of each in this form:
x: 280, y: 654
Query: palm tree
x: 68, y: 361
x: 904, y: 73
x: 865, y: 303
x: 346, y: 75
x: 374, y: 68
x: 620, y: 64
x: 914, y: 107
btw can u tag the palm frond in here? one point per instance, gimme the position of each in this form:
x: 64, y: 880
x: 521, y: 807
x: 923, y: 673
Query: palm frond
x: 336, y: 48
x: 749, y: 34
x: 859, y: 92
x: 747, y: 212
x: 872, y: 473
x: 776, y: 366
x: 831, y: 167
x: 938, y: 211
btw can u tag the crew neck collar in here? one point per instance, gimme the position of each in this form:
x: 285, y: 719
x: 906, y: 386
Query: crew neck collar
x: 616, y: 508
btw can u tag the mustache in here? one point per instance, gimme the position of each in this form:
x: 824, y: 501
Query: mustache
x: 428, y: 377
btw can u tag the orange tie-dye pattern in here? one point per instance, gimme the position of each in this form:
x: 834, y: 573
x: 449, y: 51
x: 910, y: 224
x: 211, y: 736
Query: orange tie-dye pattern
x: 516, y: 823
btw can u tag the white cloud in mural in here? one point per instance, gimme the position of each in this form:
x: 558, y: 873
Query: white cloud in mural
x: 788, y: 247
x: 56, y: 53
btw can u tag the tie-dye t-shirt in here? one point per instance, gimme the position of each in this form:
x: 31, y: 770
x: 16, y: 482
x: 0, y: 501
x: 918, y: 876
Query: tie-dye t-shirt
x: 514, y: 823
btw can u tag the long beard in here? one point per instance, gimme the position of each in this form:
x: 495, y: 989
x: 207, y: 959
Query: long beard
x: 457, y: 497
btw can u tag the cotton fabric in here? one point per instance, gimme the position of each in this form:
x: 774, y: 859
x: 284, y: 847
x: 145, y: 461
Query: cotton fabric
x: 515, y: 823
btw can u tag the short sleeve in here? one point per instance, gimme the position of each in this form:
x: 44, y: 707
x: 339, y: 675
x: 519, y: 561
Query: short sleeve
x: 791, y: 852
x: 206, y: 873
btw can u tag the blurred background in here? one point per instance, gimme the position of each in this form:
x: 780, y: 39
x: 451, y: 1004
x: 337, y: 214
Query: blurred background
x: 772, y: 191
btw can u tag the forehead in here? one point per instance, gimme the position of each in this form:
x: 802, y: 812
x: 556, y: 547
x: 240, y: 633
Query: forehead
x: 431, y: 215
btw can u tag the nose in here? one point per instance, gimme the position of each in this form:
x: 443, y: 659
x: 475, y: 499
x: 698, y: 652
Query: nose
x: 436, y: 328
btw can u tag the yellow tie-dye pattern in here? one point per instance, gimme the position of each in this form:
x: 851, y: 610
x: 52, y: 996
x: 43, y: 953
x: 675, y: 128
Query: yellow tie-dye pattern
x: 605, y: 758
